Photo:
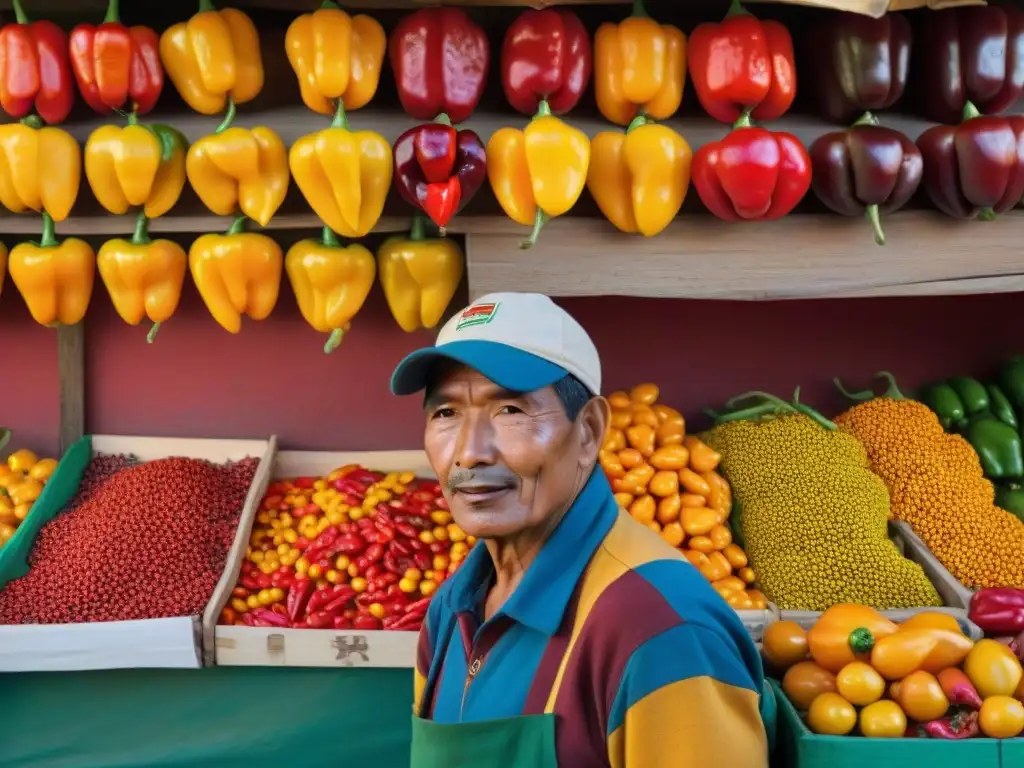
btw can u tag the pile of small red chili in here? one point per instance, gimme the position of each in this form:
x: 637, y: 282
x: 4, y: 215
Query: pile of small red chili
x: 138, y: 542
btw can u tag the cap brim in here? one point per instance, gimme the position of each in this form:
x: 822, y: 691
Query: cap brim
x: 506, y: 366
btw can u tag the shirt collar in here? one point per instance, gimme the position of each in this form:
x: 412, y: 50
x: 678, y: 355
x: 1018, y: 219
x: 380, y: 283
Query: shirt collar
x: 542, y: 596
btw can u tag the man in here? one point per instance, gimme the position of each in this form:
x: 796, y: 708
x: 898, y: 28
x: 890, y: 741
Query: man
x: 571, y: 635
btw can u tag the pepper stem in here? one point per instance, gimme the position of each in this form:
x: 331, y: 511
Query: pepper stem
x: 418, y: 230
x: 340, y: 116
x: 748, y: 414
x: 538, y: 223
x: 810, y: 413
x: 867, y: 118
x: 736, y: 9
x: 19, y: 12
x: 141, y: 234
x: 543, y: 109
x: 32, y: 121
x: 892, y: 390
x: 237, y: 226
x: 206, y: 5
x: 858, y: 397
x: 328, y: 4
x: 970, y: 111
x: 151, y: 336
x: 49, y: 237
x: 638, y: 121
x: 874, y: 219
x: 744, y: 121
x: 639, y: 10
x: 229, y: 117
x: 133, y: 117
x: 987, y: 214
x: 113, y: 12
x: 443, y: 119
x: 334, y: 341
x: 330, y: 239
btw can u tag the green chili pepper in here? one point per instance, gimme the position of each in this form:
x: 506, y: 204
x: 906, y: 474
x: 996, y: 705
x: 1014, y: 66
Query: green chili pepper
x: 1000, y: 406
x: 1011, y: 379
x: 998, y: 446
x: 972, y: 393
x: 1011, y: 498
x: 946, y: 404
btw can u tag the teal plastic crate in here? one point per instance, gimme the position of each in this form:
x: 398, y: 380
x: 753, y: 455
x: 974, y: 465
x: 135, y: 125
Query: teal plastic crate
x: 1012, y: 752
x: 799, y: 748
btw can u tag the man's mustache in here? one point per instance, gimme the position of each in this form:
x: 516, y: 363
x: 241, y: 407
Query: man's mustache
x: 495, y: 476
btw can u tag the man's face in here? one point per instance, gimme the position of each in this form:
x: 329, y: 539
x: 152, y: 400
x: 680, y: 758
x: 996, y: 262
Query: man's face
x: 506, y: 461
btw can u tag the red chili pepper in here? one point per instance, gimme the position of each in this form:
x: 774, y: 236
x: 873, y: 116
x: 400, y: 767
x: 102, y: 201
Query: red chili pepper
x: 319, y: 599
x: 400, y: 548
x: 546, y: 56
x: 408, y: 623
x: 34, y: 69
x: 340, y: 622
x: 320, y: 620
x: 299, y: 595
x: 340, y: 599
x: 423, y: 560
x: 418, y: 547
x: 963, y: 725
x: 366, y: 622
x: 998, y: 611
x: 391, y: 564
x: 373, y: 571
x: 263, y: 581
x: 407, y: 530
x: 304, y: 483
x: 440, y: 547
x: 269, y: 616
x: 742, y: 66
x: 419, y: 607
x: 390, y: 621
x: 959, y: 689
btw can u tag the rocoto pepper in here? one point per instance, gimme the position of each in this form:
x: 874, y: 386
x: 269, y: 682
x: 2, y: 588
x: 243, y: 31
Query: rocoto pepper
x: 213, y: 58
x: 419, y: 276
x: 545, y: 57
x: 975, y: 168
x: 639, y: 178
x: 117, y: 65
x: 239, y: 169
x: 54, y: 278
x: 998, y: 611
x: 440, y: 58
x: 752, y: 174
x: 330, y: 282
x: 969, y: 55
x: 237, y: 273
x: 335, y: 56
x: 742, y: 66
x: 439, y: 169
x: 866, y: 170
x: 639, y: 67
x: 136, y: 165
x: 41, y: 168
x: 34, y: 69
x: 343, y: 174
x: 857, y: 64
x: 144, y: 277
x: 539, y: 172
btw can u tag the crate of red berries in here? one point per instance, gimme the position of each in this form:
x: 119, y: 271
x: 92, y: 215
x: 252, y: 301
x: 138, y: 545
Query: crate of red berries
x: 123, y: 552
x: 340, y: 562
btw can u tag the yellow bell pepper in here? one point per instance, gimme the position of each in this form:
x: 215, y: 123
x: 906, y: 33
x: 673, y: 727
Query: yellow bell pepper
x: 54, y: 278
x: 336, y: 56
x: 40, y: 168
x: 331, y: 283
x: 136, y: 165
x: 237, y: 273
x: 344, y: 175
x: 3, y: 266
x: 639, y: 65
x: 419, y: 276
x: 212, y: 58
x: 539, y: 172
x: 144, y: 277
x: 239, y: 169
x: 639, y: 178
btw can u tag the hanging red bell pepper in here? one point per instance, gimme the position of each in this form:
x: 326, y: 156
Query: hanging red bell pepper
x: 440, y: 58
x: 742, y: 65
x: 114, y: 64
x: 998, y: 611
x: 546, y: 56
x: 971, y: 54
x: 975, y: 169
x: 34, y: 69
x: 439, y: 169
x: 752, y: 174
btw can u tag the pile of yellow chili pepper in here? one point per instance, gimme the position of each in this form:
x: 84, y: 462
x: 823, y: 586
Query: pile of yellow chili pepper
x: 856, y: 669
x: 22, y: 478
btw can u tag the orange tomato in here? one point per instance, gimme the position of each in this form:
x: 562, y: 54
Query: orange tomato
x: 692, y: 500
x: 619, y: 400
x: 883, y: 720
x: 860, y: 683
x: 757, y: 598
x: 43, y: 470
x: 670, y: 434
x: 805, y: 681
x: 697, y: 559
x: 644, y: 414
x: 784, y: 643
x: 701, y: 544
x: 671, y: 457
x: 630, y: 457
x: 693, y: 482
x: 624, y: 499
x: 668, y: 509
x: 736, y: 556
x: 672, y: 533
x: 721, y: 537
x: 668, y: 415
x: 731, y: 582
x: 831, y: 715
x: 643, y: 509
x: 698, y: 521
x: 747, y: 574
x: 702, y: 457
x: 739, y: 601
x: 614, y: 440
x: 921, y: 697
x: 646, y: 394
x: 641, y: 437
x: 1001, y: 717
x: 611, y: 464
x: 664, y: 483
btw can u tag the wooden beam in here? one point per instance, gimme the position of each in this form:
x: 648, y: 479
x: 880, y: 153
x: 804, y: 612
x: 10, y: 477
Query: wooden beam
x: 71, y: 370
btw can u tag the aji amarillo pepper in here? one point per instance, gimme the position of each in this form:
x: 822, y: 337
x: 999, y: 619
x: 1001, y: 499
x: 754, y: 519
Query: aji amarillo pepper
x: 639, y: 178
x: 343, y: 174
x: 237, y: 273
x: 239, y: 169
x: 330, y: 282
x: 144, y: 277
x: 539, y: 172
x: 55, y: 278
x: 213, y: 57
x: 136, y: 165
x: 40, y: 170
x: 639, y: 66
x: 846, y: 632
x: 419, y: 276
x: 335, y: 56
x: 912, y: 648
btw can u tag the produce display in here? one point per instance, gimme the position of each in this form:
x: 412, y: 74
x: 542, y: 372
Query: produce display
x: 668, y: 481
x: 854, y: 670
x: 356, y: 549
x: 22, y: 478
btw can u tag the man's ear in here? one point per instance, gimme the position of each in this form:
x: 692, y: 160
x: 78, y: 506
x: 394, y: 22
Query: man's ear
x: 593, y: 423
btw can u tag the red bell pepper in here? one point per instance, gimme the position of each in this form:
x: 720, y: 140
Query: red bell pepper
x: 998, y: 611
x: 975, y: 168
x: 546, y: 56
x: 114, y: 64
x: 752, y: 173
x: 440, y: 58
x: 742, y: 66
x: 34, y: 69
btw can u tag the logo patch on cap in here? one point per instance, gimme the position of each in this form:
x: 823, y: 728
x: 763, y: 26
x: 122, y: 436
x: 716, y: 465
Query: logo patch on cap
x: 478, y: 314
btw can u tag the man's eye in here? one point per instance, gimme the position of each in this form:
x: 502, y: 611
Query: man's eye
x: 443, y: 413
x: 510, y: 409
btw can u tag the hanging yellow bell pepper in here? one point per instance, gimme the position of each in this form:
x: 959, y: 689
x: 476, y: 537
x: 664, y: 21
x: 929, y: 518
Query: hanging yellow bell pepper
x: 419, y: 276
x: 344, y: 175
x: 336, y: 56
x: 213, y: 57
x: 136, y: 165
x: 40, y: 169
x: 55, y: 278
x: 237, y: 273
x: 539, y: 172
x: 639, y: 178
x: 144, y: 277
x: 239, y: 169
x: 331, y: 283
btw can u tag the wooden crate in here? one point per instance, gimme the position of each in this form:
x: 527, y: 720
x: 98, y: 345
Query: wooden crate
x: 149, y: 643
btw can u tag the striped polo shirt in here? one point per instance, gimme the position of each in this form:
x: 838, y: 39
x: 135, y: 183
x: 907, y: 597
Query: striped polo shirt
x: 613, y: 631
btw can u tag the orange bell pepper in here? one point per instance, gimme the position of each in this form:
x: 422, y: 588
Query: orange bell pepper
x: 846, y: 633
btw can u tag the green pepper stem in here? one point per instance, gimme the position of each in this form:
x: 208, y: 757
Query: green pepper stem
x: 133, y: 117
x: 32, y: 121
x: 141, y: 234
x: 443, y: 119
x: 49, y: 237
x: 340, y: 116
x: 331, y: 5
x: 334, y: 340
x: 970, y: 112
x: 538, y: 223
x: 892, y: 390
x: 736, y: 9
x: 861, y: 640
x: 866, y: 119
x: 229, y: 117
x: 810, y: 413
x: 5, y: 437
x: 151, y: 336
x: 987, y: 214
x: 330, y: 239
x: 418, y: 230
x: 639, y: 11
x: 743, y: 121
x: 113, y: 13
x: 755, y: 395
x: 638, y: 121
x: 237, y: 226
x: 19, y: 12
x: 543, y: 109
x: 874, y: 219
x: 206, y: 5
x: 748, y: 414
x: 858, y: 397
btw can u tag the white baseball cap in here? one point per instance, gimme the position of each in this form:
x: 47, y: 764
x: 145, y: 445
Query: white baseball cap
x: 520, y: 341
